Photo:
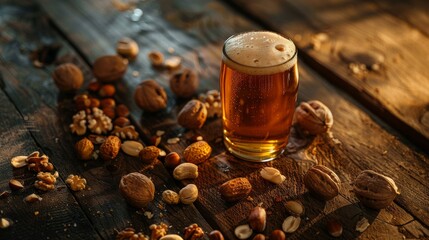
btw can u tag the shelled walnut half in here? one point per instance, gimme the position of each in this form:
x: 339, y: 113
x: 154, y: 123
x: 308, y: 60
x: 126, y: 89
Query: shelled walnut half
x: 76, y: 182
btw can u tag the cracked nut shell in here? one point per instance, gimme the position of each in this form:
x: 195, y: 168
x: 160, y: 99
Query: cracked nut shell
x: 150, y: 96
x: 322, y: 181
x: 109, y: 68
x: 185, y: 83
x: 68, y: 77
x: 137, y: 189
x: 193, y: 115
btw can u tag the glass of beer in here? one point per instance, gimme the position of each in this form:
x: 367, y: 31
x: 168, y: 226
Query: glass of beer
x: 258, y: 85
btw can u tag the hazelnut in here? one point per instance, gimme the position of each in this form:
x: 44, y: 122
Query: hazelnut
x: 127, y: 48
x: 235, y: 189
x: 184, y: 84
x: 257, y: 219
x: 122, y: 110
x: 375, y: 190
x: 313, y: 117
x: 335, y: 228
x: 149, y: 154
x: 94, y: 86
x: 150, y: 96
x: 109, y: 68
x: 109, y: 111
x: 216, y: 235
x: 94, y: 103
x: 259, y: 237
x: 84, y: 149
x: 322, y: 181
x: 197, y: 152
x: 107, y: 102
x: 109, y: 149
x: 277, y: 235
x: 193, y: 115
x: 121, y: 122
x: 156, y: 58
x: 137, y: 189
x: 82, y: 102
x: 107, y: 90
x: 172, y: 160
x: 68, y: 77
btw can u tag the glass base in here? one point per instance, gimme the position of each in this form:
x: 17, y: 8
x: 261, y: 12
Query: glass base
x: 254, y: 151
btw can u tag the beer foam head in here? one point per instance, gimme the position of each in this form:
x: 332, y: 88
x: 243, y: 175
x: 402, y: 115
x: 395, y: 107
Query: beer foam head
x: 259, y: 53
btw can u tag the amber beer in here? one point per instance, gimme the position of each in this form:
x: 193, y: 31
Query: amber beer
x: 258, y: 84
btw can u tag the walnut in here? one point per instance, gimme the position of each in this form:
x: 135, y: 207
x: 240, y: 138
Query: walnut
x: 184, y: 83
x: 98, y: 122
x: 213, y: 103
x: 313, y: 117
x: 47, y: 177
x: 82, y: 101
x: 79, y: 123
x: 158, y: 231
x: 109, y: 68
x: 193, y: 232
x: 44, y: 186
x: 38, y: 163
x: 130, y: 234
x: 150, y: 96
x: 76, y: 182
x: 127, y: 132
x: 67, y: 77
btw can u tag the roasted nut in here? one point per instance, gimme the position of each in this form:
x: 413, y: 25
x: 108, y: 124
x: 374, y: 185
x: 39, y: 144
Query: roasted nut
x: 137, y: 189
x: 158, y: 231
x: 97, y: 139
x: 95, y: 103
x: 5, y: 223
x: 197, y: 152
x: 98, y: 122
x: 19, y: 161
x: 150, y: 96
x: 291, y: 224
x: 171, y: 237
x: 322, y: 181
x: 67, y: 77
x: 122, y: 110
x: 295, y: 208
x: 277, y: 235
x: 109, y: 111
x: 156, y: 58
x: 15, y: 184
x: 185, y: 171
x: 127, y: 132
x: 110, y: 148
x: 82, y: 102
x: 213, y: 103
x: 235, y: 189
x: 127, y: 48
x: 259, y: 237
x: 193, y: 232
x: 132, y: 148
x: 185, y: 83
x: 375, y: 190
x: 107, y: 90
x: 79, y: 123
x: 149, y: 154
x: 188, y: 194
x: 84, y: 149
x: 109, y: 68
x: 216, y: 235
x: 107, y: 102
x: 243, y: 231
x: 94, y: 86
x: 170, y: 197
x: 272, y: 174
x: 172, y: 160
x: 313, y: 117
x: 76, y: 182
x: 47, y: 177
x: 33, y: 198
x: 38, y: 163
x: 257, y: 219
x: 193, y: 115
x: 334, y: 228
x: 121, y: 122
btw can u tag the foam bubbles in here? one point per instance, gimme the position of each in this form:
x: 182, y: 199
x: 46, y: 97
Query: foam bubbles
x: 266, y: 53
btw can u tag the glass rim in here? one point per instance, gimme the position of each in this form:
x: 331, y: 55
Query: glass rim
x: 241, y: 64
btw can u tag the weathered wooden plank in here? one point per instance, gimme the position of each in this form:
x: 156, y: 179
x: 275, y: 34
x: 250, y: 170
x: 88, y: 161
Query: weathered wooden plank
x: 34, y: 94
x: 395, y: 89
x: 204, y: 38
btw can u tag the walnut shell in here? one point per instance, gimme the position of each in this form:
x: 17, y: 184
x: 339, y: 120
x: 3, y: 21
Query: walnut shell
x: 322, y: 181
x: 235, y: 189
x: 193, y: 115
x: 137, y: 189
x: 197, y: 152
x: 185, y: 83
x: 375, y: 190
x: 150, y: 96
x: 109, y: 68
x: 67, y: 77
x: 84, y: 149
x: 313, y: 117
x: 109, y: 149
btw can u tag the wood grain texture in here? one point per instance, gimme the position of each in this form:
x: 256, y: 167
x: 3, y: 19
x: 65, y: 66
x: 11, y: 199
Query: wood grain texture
x: 196, y: 33
x: 397, y: 91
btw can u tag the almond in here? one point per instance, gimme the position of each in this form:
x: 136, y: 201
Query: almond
x: 235, y: 189
x: 197, y: 152
x: 15, y: 184
x: 110, y: 148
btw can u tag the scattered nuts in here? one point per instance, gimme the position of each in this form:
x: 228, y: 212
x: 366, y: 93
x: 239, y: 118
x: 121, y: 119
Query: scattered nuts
x: 84, y: 149
x: 38, y: 163
x: 19, y: 161
x: 173, y: 62
x: 188, y: 194
x: 67, y: 77
x: 185, y: 171
x: 313, y: 117
x: 122, y: 110
x: 149, y: 154
x: 94, y: 103
x: 259, y: 237
x: 107, y: 90
x: 291, y: 224
x: 216, y: 235
x: 47, y: 177
x: 15, y: 184
x: 79, y: 123
x: 109, y: 112
x: 98, y: 122
x: 137, y: 189
x: 44, y: 186
x: 158, y: 231
x: 193, y: 232
x: 335, y: 228
x: 213, y: 103
x: 362, y: 225
x: 132, y: 148
x: 295, y: 208
x: 150, y: 96
x: 243, y: 231
x: 127, y: 48
x: 257, y: 219
x: 322, y: 181
x: 170, y: 197
x: 109, y: 68
x: 33, y: 198
x: 235, y: 189
x: 156, y: 58
x: 184, y: 83
x: 76, y: 182
x: 107, y: 102
x: 193, y: 115
x: 171, y: 237
x: 375, y: 190
x: 277, y: 235
x: 272, y: 174
x: 110, y: 148
x: 172, y: 160
x: 127, y: 132
x: 197, y: 152
x: 4, y: 223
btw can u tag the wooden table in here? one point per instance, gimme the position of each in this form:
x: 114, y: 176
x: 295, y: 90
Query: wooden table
x: 381, y: 113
